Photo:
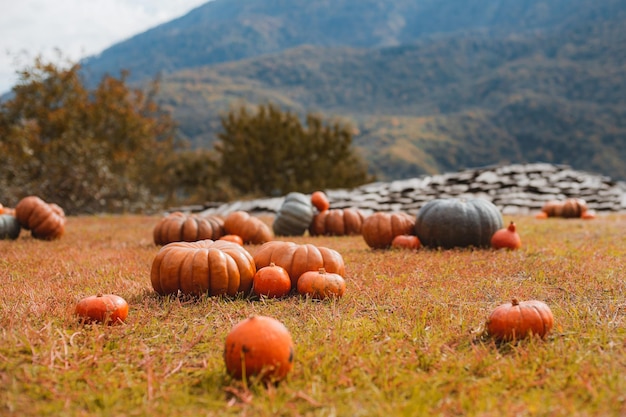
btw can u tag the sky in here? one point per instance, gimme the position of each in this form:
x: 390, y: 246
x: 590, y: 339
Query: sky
x: 77, y: 28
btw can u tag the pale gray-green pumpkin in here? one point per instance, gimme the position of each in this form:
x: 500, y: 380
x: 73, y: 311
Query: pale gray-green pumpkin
x: 9, y: 227
x: 449, y: 223
x: 294, y: 216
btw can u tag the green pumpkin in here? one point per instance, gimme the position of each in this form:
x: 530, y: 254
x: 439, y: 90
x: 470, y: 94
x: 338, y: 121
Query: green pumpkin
x: 294, y: 216
x: 449, y: 223
x: 9, y: 227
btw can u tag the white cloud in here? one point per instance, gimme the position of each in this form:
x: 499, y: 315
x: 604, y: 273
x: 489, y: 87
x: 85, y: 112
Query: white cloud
x: 77, y: 28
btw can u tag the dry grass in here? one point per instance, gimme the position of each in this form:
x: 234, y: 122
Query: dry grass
x: 405, y: 340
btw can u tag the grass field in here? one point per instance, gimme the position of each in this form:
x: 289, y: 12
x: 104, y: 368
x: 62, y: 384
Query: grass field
x: 405, y: 340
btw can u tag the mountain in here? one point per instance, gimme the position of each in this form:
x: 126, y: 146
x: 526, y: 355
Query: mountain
x: 430, y: 85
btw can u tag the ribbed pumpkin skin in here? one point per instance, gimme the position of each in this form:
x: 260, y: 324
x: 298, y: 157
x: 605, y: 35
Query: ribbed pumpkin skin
x: 203, y: 267
x: 45, y: 221
x: 180, y: 227
x: 251, y: 229
x: 449, y: 223
x: 294, y: 216
x: 321, y: 284
x: 9, y: 227
x: 298, y: 259
x: 574, y: 208
x: 337, y: 222
x: 379, y: 229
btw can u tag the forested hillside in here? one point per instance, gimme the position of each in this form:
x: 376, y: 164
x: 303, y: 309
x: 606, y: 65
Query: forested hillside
x: 429, y: 86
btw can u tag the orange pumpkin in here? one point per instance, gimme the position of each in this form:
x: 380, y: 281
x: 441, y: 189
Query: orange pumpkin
x: 517, y: 320
x: 541, y: 215
x: 379, y: 229
x: 102, y: 308
x: 180, y: 227
x: 320, y: 201
x: 588, y: 215
x: 232, y: 238
x: 45, y: 221
x: 411, y: 242
x: 321, y: 284
x: 506, y: 238
x: 337, y: 222
x: 203, y: 267
x: 271, y: 281
x: 259, y: 347
x: 298, y: 259
x: 574, y: 208
x: 251, y: 229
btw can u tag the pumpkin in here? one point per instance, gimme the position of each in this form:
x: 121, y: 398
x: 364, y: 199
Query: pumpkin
x: 379, y: 229
x: 203, y: 267
x: 321, y: 284
x: 180, y: 227
x: 232, y: 238
x: 251, y: 229
x: 541, y: 215
x: 45, y: 221
x: 410, y: 242
x: 9, y: 227
x: 102, y: 308
x: 517, y: 320
x: 588, y: 215
x: 294, y: 216
x: 553, y: 208
x: 574, y: 208
x: 320, y: 201
x: 449, y: 223
x: 271, y: 281
x: 337, y: 222
x: 298, y: 259
x: 506, y: 238
x: 259, y: 347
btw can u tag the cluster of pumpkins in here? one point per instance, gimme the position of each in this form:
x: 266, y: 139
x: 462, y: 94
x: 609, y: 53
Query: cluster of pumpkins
x: 44, y: 220
x: 205, y: 255
x: 570, y: 208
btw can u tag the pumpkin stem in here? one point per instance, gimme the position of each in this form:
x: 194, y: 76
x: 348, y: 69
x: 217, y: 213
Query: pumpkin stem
x: 99, y: 294
x: 515, y: 302
x: 272, y: 264
x: 512, y: 227
x: 322, y: 270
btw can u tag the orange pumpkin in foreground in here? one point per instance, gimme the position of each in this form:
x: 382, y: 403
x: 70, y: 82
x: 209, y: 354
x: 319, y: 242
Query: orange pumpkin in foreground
x: 271, y: 281
x: 520, y: 319
x: 321, y: 284
x: 259, y: 347
x: 506, y: 238
x: 102, y: 308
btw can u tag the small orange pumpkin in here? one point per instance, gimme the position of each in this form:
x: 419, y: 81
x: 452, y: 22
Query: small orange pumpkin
x: 410, y: 242
x: 261, y: 347
x: 506, y: 238
x: 320, y: 201
x: 271, y: 281
x: 588, y: 215
x: 541, y: 215
x: 517, y: 320
x: 102, y: 308
x: 321, y: 284
x: 232, y: 238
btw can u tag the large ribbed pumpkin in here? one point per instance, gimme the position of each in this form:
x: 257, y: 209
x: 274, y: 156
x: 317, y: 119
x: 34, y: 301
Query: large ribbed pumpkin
x: 9, y: 227
x: 251, y: 229
x: 45, y: 221
x: 337, y: 222
x: 180, y: 227
x: 379, y: 229
x: 294, y: 216
x: 298, y: 259
x: 449, y: 223
x: 203, y: 267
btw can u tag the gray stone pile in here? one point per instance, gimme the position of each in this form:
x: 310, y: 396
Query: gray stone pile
x: 514, y: 189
